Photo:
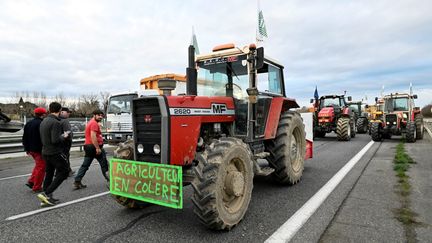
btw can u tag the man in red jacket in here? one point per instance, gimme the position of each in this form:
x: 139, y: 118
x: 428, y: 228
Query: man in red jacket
x: 33, y: 147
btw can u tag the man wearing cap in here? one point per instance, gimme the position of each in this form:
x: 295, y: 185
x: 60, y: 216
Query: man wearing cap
x: 33, y: 147
x: 93, y: 148
x: 64, y: 115
x: 53, y: 140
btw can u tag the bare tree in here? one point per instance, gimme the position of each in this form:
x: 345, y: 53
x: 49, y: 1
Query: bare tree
x: 87, y: 104
x: 60, y: 98
x: 104, y: 96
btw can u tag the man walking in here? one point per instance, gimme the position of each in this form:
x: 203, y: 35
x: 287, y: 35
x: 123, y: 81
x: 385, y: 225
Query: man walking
x: 33, y: 147
x: 93, y: 148
x: 64, y: 120
x: 53, y: 139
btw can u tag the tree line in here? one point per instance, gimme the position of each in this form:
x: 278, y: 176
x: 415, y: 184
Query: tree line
x: 23, y: 103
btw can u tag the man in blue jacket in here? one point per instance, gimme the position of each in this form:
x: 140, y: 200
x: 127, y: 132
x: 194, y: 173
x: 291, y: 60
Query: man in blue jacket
x: 33, y: 147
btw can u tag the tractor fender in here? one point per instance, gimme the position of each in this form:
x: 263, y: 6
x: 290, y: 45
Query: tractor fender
x: 277, y: 106
x: 346, y: 111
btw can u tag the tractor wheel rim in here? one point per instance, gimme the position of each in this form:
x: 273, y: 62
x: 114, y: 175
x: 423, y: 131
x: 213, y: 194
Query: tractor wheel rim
x: 234, y: 185
x: 294, y: 155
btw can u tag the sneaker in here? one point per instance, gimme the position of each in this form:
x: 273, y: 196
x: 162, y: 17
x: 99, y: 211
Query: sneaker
x: 45, y: 199
x: 78, y: 185
x: 29, y: 185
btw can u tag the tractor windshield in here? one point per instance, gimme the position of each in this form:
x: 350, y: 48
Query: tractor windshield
x: 328, y: 102
x: 214, y: 74
x: 396, y: 104
x: 120, y: 103
x: 354, y: 107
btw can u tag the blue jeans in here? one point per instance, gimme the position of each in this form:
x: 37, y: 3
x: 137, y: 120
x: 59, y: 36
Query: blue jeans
x: 90, y: 155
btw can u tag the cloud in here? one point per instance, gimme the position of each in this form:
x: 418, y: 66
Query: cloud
x: 90, y: 46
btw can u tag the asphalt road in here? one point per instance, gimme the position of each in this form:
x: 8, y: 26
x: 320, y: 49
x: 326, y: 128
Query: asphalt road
x: 101, y: 219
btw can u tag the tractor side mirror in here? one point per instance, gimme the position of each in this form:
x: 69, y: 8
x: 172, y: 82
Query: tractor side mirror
x: 376, y: 99
x: 259, y: 58
x: 312, y: 100
x: 349, y: 98
x: 366, y: 106
x: 415, y: 96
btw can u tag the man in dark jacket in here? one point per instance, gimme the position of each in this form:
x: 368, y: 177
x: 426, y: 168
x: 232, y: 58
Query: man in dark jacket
x: 64, y: 120
x: 33, y: 147
x: 53, y: 139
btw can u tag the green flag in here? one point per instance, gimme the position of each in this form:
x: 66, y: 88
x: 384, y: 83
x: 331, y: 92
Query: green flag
x: 261, y: 30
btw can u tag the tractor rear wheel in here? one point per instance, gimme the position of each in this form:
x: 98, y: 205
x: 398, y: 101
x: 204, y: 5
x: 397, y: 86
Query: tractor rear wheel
x: 223, y: 183
x: 125, y: 151
x: 288, y: 149
x: 419, y: 126
x: 375, y: 131
x: 362, y: 125
x: 343, y: 129
x: 411, y: 133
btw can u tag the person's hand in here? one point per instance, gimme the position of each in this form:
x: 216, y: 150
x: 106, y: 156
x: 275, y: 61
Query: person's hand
x: 66, y: 134
x: 98, y: 151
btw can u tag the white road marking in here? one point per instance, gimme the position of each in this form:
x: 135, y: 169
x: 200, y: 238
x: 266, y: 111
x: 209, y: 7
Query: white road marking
x: 18, y: 176
x: 12, y: 177
x: 23, y: 215
x: 293, y: 224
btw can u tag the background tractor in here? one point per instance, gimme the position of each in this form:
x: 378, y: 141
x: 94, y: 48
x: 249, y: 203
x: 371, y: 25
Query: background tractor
x: 360, y: 116
x: 234, y: 113
x: 400, y: 116
x: 333, y: 115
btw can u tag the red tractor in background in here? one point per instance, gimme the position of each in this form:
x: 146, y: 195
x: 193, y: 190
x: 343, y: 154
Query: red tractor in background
x: 332, y: 114
x: 234, y: 113
x: 400, y: 116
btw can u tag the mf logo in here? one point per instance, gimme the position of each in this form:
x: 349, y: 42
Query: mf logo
x: 219, y: 108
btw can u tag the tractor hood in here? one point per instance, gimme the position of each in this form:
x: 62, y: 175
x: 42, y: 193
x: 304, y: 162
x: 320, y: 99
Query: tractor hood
x: 326, y: 112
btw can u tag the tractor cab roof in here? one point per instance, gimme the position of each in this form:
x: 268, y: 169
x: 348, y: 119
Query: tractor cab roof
x: 227, y: 50
x: 398, y: 95
x: 332, y: 96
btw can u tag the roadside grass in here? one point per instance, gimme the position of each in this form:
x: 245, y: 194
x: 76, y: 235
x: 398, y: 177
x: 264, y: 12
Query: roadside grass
x: 404, y: 214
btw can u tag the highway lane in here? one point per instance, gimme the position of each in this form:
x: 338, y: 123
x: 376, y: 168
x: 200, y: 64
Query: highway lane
x: 102, y: 219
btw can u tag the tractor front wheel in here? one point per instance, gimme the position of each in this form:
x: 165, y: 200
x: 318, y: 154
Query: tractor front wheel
x: 362, y: 125
x: 375, y: 131
x: 411, y: 133
x: 125, y: 151
x: 343, y: 129
x: 419, y: 126
x: 287, y: 150
x: 223, y: 183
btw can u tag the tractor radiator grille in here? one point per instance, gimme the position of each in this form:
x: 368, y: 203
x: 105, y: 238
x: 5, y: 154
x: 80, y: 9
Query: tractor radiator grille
x: 148, y: 128
x: 391, y: 119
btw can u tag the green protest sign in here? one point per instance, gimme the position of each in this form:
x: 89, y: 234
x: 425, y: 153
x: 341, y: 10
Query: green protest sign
x: 150, y: 182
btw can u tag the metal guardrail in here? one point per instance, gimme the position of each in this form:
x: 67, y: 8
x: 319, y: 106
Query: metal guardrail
x: 13, y: 143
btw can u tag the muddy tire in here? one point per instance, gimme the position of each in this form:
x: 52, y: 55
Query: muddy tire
x: 287, y: 150
x: 353, y: 129
x: 375, y: 132
x: 410, y: 132
x: 223, y: 183
x: 362, y: 126
x: 419, y: 126
x: 125, y: 151
x: 343, y: 129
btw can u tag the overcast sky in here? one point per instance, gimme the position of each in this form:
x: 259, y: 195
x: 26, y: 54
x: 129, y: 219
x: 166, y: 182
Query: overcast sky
x: 78, y: 47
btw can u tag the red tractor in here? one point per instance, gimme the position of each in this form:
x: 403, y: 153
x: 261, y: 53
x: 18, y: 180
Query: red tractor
x: 400, y: 116
x: 332, y: 114
x: 234, y: 113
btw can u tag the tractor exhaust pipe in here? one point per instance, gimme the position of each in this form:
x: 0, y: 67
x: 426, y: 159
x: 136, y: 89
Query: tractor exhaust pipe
x: 191, y: 73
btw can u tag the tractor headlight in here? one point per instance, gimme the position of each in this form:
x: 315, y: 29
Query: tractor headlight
x: 388, y: 123
x: 156, y: 149
x: 140, y: 148
x: 394, y: 123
